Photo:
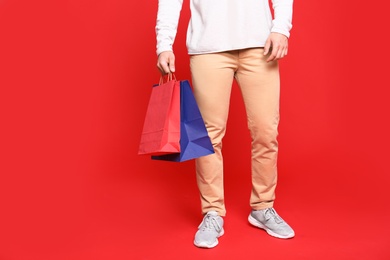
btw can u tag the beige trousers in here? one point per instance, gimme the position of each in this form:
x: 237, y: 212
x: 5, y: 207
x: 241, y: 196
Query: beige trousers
x: 212, y: 78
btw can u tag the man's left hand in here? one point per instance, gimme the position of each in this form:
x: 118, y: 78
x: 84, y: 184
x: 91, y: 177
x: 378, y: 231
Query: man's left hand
x: 277, y: 46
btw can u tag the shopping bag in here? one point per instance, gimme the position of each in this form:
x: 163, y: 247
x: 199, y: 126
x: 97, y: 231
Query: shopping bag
x: 161, y: 130
x: 194, y: 139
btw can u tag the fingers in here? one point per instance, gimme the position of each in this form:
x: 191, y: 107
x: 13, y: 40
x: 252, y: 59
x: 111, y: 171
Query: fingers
x: 277, y: 53
x: 267, y: 46
x: 166, y: 62
x: 165, y: 65
x: 273, y: 54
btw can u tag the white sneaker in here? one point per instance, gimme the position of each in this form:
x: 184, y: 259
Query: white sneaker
x: 209, y: 230
x: 269, y: 220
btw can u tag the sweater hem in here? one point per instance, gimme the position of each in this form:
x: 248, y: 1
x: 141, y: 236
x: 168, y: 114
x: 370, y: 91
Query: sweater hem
x: 196, y: 52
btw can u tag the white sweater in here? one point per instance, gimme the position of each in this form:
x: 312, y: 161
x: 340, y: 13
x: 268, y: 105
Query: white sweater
x: 222, y: 25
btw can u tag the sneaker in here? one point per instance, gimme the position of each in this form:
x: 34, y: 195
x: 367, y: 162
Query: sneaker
x: 269, y: 220
x: 209, y: 230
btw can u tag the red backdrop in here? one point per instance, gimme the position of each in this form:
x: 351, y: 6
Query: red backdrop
x: 75, y: 79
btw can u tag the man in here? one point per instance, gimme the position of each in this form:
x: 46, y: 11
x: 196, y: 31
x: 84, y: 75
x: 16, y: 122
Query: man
x: 227, y: 40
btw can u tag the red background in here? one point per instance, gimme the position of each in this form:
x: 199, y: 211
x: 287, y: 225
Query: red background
x: 75, y: 79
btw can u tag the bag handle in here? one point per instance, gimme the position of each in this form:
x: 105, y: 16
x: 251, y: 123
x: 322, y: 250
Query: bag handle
x: 168, y: 77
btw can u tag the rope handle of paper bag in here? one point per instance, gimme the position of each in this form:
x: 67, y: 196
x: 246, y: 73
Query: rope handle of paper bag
x: 166, y: 78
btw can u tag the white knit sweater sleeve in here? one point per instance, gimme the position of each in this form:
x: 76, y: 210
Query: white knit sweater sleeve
x: 282, y: 22
x: 166, y: 25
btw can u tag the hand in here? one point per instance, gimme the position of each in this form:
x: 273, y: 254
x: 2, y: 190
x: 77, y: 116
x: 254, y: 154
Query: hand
x: 166, y: 62
x: 277, y: 43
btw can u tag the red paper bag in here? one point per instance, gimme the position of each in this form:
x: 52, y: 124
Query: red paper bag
x: 161, y: 131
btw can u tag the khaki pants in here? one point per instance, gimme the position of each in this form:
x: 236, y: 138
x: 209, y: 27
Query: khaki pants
x: 212, y: 78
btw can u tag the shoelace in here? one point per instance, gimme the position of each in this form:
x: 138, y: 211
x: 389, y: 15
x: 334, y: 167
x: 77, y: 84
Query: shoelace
x: 271, y: 213
x: 210, y: 222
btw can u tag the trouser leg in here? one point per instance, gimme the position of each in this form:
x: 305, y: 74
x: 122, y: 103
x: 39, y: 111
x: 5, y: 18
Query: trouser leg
x: 260, y: 87
x: 212, y: 77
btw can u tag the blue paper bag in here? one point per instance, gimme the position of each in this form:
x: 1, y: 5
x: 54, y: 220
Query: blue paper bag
x: 194, y: 139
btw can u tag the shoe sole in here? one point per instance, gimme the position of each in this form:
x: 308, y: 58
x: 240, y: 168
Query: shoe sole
x: 258, y: 224
x: 205, y: 245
